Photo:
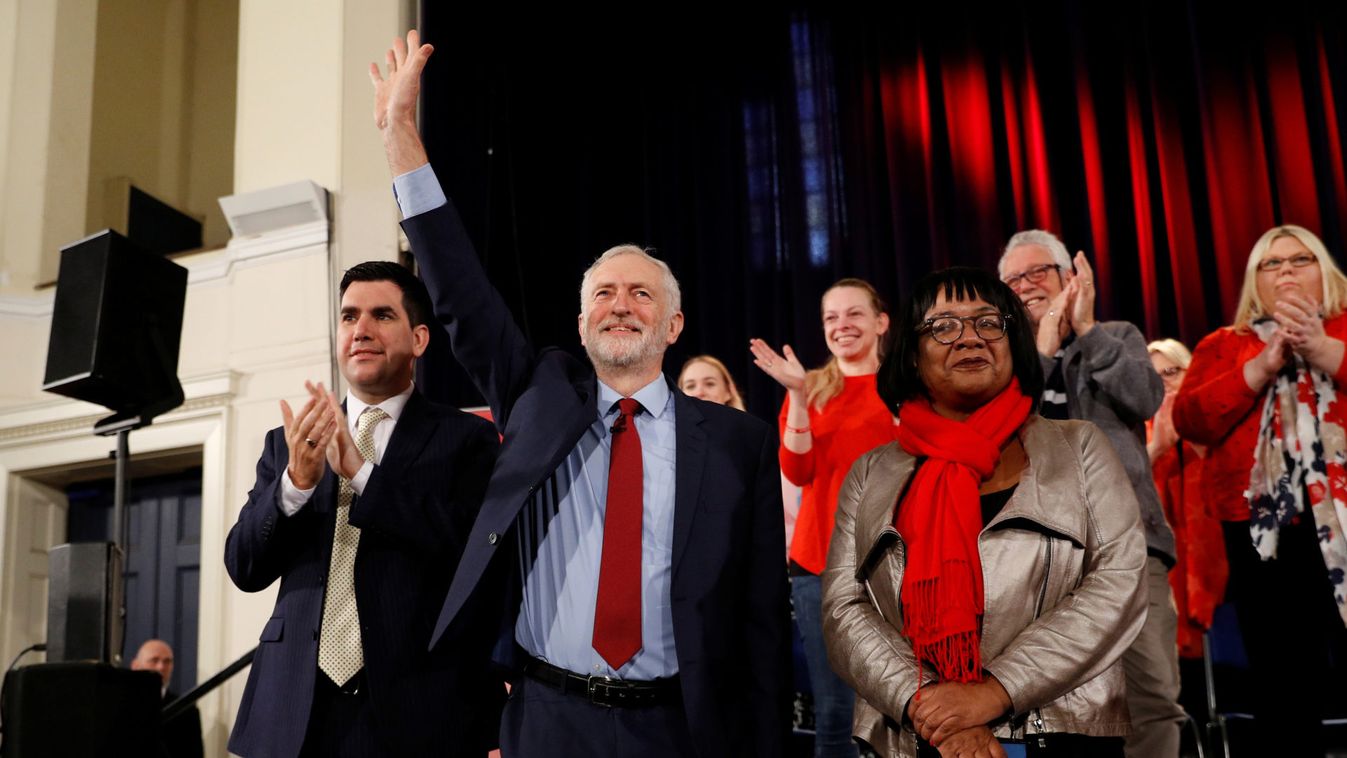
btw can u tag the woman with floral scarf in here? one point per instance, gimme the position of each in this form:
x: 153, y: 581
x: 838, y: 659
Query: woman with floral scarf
x: 1262, y: 394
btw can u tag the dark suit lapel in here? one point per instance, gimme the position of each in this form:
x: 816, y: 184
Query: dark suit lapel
x: 410, y: 434
x: 690, y: 460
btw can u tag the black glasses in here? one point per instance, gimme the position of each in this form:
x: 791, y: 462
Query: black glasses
x: 1034, y: 274
x: 1299, y: 260
x: 947, y: 330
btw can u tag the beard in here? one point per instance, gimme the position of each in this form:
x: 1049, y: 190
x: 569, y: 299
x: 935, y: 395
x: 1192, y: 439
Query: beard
x: 620, y: 352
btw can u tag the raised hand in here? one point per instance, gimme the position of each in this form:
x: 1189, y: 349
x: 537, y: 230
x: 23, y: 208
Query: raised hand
x: 1082, y: 298
x: 1050, y: 326
x: 1299, y: 319
x: 1260, y: 369
x: 307, y: 435
x: 395, y: 96
x: 342, y: 454
x: 785, y: 369
x: 1163, y: 434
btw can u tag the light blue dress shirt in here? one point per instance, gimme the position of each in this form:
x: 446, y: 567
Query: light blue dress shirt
x: 561, y: 527
x: 564, y: 520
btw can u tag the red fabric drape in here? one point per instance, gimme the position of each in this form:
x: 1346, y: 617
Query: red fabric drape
x: 1163, y: 143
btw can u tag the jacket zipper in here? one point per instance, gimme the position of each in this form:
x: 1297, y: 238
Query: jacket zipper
x: 1038, y: 610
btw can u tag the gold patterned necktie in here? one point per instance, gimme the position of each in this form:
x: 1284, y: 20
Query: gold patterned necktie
x: 339, y: 652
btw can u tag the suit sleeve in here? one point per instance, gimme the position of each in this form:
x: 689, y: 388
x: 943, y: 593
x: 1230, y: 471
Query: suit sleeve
x: 413, y: 504
x: 1115, y: 356
x: 485, y: 338
x: 1086, y: 632
x: 261, y: 545
x: 767, y: 630
x: 865, y: 650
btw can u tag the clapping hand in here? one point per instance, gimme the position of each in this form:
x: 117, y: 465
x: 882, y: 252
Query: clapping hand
x: 785, y: 369
x: 307, y: 435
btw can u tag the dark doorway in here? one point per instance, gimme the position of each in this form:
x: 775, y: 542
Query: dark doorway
x: 163, y: 559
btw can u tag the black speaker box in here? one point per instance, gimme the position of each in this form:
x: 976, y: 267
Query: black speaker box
x: 83, y: 619
x: 51, y: 710
x: 116, y: 326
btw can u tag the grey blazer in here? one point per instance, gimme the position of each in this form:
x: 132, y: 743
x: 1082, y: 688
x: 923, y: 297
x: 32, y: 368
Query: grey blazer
x: 1110, y: 381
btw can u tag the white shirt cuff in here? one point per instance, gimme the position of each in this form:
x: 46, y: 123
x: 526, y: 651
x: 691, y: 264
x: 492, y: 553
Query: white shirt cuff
x: 362, y: 477
x: 292, y: 497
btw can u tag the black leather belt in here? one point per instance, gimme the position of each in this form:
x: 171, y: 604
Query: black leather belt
x: 603, y: 690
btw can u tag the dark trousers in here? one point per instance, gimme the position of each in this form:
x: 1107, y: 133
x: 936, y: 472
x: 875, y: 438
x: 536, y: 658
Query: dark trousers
x: 341, y: 722
x: 1293, y: 635
x: 542, y: 722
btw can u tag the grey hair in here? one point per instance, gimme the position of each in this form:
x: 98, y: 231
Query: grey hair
x: 669, y: 281
x: 1041, y: 238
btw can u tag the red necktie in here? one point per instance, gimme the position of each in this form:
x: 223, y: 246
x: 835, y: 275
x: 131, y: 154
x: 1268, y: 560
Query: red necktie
x: 617, y: 615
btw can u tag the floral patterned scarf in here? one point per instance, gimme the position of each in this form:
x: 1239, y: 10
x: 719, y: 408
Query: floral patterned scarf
x: 1301, y: 453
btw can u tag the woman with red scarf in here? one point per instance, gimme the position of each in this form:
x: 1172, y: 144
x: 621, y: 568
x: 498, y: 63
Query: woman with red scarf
x: 986, y: 570
x: 1262, y: 394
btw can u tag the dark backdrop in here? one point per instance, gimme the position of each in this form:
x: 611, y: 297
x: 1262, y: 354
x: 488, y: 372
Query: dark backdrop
x: 766, y: 153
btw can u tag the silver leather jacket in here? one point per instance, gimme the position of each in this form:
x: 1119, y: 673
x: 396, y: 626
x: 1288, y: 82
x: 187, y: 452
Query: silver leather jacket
x: 1063, y: 568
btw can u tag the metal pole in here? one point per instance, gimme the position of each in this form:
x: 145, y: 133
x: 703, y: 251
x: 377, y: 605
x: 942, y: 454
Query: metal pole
x: 116, y: 626
x: 119, y: 488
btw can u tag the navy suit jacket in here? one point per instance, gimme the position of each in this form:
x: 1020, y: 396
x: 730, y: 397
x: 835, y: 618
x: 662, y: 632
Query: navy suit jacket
x: 414, y: 517
x: 729, y: 590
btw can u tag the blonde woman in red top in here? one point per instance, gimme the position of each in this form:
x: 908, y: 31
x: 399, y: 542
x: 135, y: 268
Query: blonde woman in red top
x: 832, y: 415
x: 1262, y: 394
x: 1199, y: 573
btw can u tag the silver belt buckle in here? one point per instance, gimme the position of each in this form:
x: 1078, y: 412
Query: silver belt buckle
x: 593, y: 685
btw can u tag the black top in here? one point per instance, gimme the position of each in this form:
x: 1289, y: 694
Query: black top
x: 993, y: 502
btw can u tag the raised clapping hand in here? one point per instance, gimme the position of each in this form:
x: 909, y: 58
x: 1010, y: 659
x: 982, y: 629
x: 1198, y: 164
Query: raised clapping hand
x: 307, y: 435
x: 786, y: 370
x: 1163, y: 434
x: 1300, y: 321
x: 1082, y: 297
x: 342, y: 454
x: 1260, y: 369
x: 1074, y: 306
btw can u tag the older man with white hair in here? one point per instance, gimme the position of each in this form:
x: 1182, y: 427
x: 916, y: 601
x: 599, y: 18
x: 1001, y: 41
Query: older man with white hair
x: 1100, y: 371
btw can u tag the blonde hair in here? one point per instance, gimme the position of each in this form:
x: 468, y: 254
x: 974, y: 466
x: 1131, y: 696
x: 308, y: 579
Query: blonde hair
x: 1333, y: 299
x: 825, y: 383
x: 736, y: 401
x: 1172, y: 349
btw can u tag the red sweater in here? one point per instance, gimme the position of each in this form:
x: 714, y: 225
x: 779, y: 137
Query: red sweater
x: 1200, y: 568
x: 850, y: 425
x: 1216, y: 408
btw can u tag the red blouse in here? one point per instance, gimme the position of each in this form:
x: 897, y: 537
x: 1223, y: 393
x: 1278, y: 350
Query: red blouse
x: 851, y: 424
x: 1200, y: 571
x: 1216, y: 408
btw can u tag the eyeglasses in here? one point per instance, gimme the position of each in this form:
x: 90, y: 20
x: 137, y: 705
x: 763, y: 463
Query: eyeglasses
x: 1300, y: 260
x: 1171, y: 372
x: 1034, y: 275
x: 949, y: 329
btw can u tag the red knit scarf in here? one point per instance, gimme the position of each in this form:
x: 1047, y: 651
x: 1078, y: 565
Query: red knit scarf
x: 940, y: 518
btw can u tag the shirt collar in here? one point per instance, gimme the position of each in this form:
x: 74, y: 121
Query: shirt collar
x: 654, y: 398
x: 392, y: 406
